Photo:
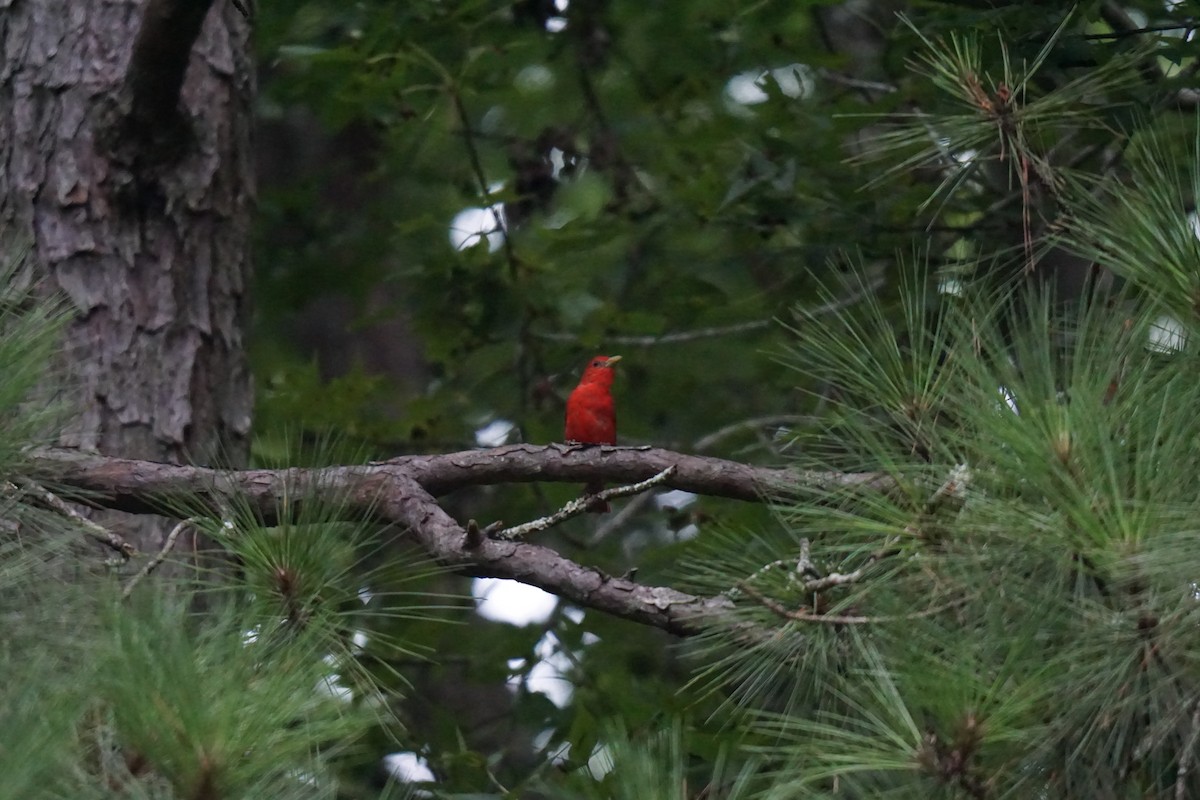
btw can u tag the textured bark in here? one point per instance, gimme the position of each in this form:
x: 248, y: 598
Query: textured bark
x: 140, y: 486
x: 150, y: 248
x: 401, y: 491
x: 142, y: 223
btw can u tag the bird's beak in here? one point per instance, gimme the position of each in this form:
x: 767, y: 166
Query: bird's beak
x: 612, y: 360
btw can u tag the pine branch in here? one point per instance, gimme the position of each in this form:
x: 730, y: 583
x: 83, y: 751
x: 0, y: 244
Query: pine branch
x: 138, y: 486
x: 799, y: 615
x: 402, y: 491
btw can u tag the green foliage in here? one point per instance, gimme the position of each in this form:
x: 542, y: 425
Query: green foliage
x: 654, y: 767
x: 343, y: 588
x: 39, y: 705
x: 294, y: 400
x: 1014, y: 617
x: 182, y: 691
x: 642, y: 232
x: 1007, y: 609
x: 1024, y: 592
x: 1141, y: 227
x: 214, y: 714
x: 30, y: 328
x: 206, y: 690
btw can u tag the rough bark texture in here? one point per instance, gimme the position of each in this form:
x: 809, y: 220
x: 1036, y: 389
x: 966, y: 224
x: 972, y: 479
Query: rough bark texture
x: 401, y: 491
x: 133, y: 486
x: 151, y: 248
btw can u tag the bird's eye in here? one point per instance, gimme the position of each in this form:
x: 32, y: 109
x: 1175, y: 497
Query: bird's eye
x: 597, y: 363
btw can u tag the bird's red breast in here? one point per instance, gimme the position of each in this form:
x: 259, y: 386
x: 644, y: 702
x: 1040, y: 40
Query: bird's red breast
x: 591, y: 418
x: 590, y: 415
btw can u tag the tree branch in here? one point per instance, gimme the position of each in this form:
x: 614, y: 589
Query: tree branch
x: 138, y: 486
x: 715, y: 477
x: 1188, y: 753
x: 402, y: 491
x: 158, y: 559
x: 799, y: 615
x: 832, y: 306
x: 48, y: 499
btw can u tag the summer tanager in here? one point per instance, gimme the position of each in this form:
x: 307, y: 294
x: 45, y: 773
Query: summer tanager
x: 590, y: 415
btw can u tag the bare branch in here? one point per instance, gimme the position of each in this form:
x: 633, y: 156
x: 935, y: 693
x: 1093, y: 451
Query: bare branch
x: 1187, y: 754
x: 752, y: 424
x: 401, y: 491
x: 834, y: 579
x: 159, y: 557
x: 842, y: 79
x: 404, y: 501
x: 48, y: 499
x: 804, y: 566
x: 628, y: 340
x: 580, y: 505
x: 473, y: 158
x: 140, y: 486
x: 799, y: 615
x: 1124, y: 25
x: 680, y: 337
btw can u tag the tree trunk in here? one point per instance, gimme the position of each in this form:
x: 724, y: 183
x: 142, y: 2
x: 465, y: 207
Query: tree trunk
x: 128, y: 171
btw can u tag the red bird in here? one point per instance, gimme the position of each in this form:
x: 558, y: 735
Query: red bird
x: 590, y: 415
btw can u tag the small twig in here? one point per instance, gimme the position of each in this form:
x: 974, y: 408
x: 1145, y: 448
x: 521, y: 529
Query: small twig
x: 1120, y: 20
x: 50, y: 500
x: 1188, y: 754
x: 754, y: 423
x: 1186, y: 27
x: 856, y: 83
x: 476, y: 535
x: 159, y: 557
x: 836, y: 304
x: 838, y: 619
x: 581, y: 504
x: 779, y: 563
x: 804, y: 564
x: 679, y: 337
x: 666, y: 338
x: 805, y: 567
x: 833, y: 579
x: 476, y: 163
x: 953, y: 489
